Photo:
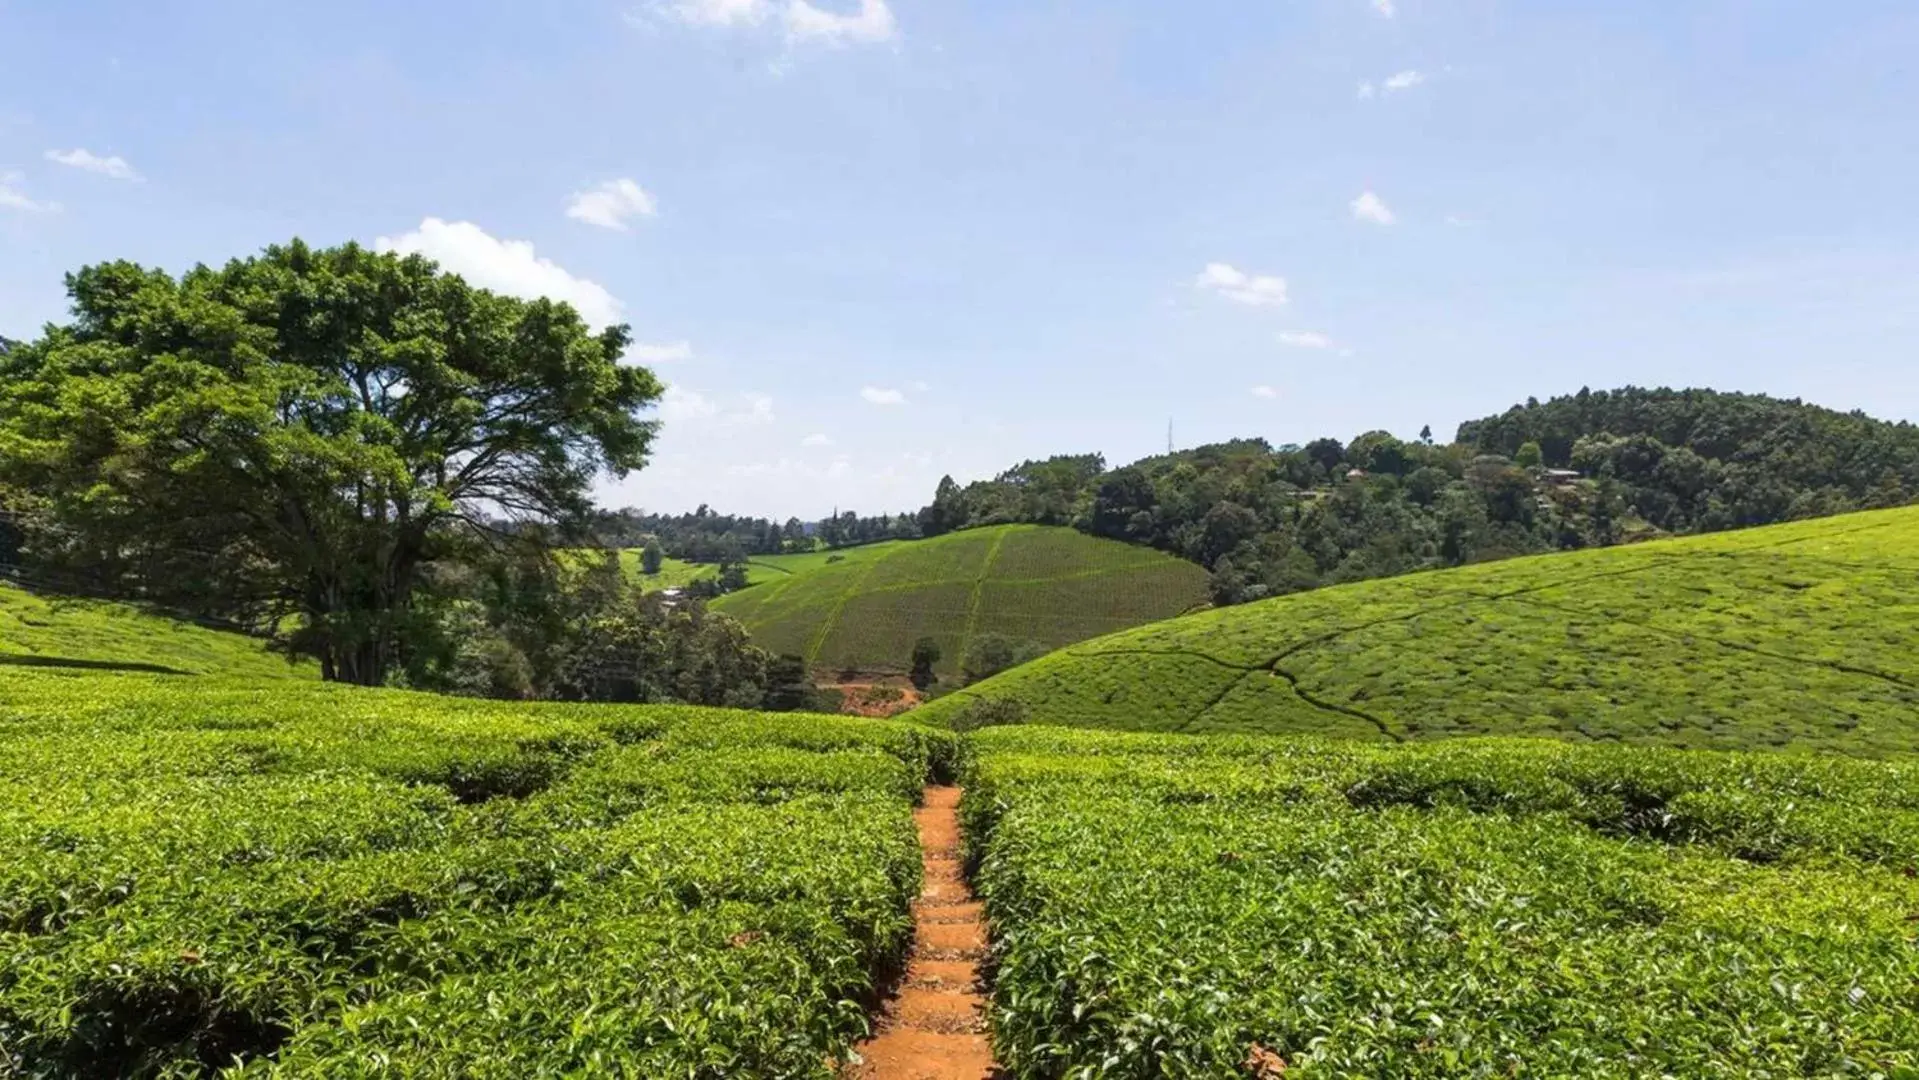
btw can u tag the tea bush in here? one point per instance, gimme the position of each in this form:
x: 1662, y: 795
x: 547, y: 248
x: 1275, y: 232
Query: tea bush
x: 201, y: 877
x: 1170, y: 906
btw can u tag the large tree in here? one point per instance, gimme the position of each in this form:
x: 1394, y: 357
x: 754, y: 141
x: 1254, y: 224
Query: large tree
x: 309, y: 430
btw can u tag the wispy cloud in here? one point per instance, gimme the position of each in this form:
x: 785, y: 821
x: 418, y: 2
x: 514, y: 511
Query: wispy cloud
x: 611, y: 205
x: 880, y: 395
x: 1386, y: 8
x: 1256, y: 290
x: 14, y: 197
x: 504, y: 266
x: 1265, y: 392
x: 873, y: 24
x: 1304, y: 339
x: 1391, y: 84
x: 1371, y: 208
x: 681, y: 404
x: 113, y: 167
x: 817, y: 439
x: 665, y: 352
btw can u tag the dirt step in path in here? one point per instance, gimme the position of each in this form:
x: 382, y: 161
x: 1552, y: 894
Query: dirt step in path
x: 934, y: 1028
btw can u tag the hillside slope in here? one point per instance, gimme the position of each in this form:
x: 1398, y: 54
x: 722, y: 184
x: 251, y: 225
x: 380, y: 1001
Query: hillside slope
x: 39, y: 630
x: 1052, y: 586
x: 1803, y: 635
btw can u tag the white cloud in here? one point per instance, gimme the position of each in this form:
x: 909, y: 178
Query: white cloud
x: 878, y: 395
x: 1386, y: 8
x: 871, y: 25
x: 1405, y: 80
x: 665, y: 352
x: 758, y: 410
x: 611, y: 204
x: 1305, y: 339
x: 1458, y: 221
x: 1258, y: 290
x: 681, y: 404
x: 1265, y: 392
x: 115, y: 167
x: 817, y: 439
x: 1370, y: 207
x: 1367, y: 91
x: 504, y: 266
x: 13, y: 198
x: 719, y: 12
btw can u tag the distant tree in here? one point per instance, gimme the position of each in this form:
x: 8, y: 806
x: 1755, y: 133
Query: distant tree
x: 926, y: 654
x: 328, y: 422
x: 990, y: 654
x: 1529, y: 456
x: 948, y: 511
x: 788, y: 686
x: 1426, y: 434
x: 733, y: 576
x: 651, y: 557
x: 1326, y: 453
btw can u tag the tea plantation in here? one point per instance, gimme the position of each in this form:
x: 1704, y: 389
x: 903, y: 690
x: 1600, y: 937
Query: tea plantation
x: 310, y: 880
x: 865, y: 607
x: 1170, y: 906
x: 1801, y: 636
x: 38, y: 630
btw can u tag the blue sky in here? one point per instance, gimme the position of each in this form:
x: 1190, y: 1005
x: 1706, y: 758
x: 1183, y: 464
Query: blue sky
x: 869, y: 243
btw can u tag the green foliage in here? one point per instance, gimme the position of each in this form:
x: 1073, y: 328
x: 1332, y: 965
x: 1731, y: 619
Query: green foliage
x: 1529, y: 456
x: 308, y: 431
x: 313, y: 880
x: 44, y: 630
x: 926, y: 655
x: 651, y: 558
x: 1795, y: 636
x: 1047, y: 585
x: 989, y: 654
x: 1170, y: 906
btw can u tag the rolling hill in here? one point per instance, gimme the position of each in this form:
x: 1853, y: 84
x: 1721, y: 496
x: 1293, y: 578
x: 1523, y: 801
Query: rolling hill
x: 37, y: 630
x: 863, y: 608
x: 1803, y: 635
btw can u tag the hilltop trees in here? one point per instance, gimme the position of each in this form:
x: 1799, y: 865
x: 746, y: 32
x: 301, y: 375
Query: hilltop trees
x: 1268, y: 520
x: 309, y: 431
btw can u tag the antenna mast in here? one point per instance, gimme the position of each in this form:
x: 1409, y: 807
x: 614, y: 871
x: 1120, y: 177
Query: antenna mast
x: 1169, y: 435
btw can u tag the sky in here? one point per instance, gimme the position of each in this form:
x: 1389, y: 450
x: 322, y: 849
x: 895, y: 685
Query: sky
x: 868, y: 243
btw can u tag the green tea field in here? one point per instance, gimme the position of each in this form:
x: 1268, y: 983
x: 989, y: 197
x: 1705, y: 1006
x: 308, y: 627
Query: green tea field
x: 1174, y: 906
x: 309, y: 880
x: 45, y: 631
x: 1801, y: 636
x: 863, y: 608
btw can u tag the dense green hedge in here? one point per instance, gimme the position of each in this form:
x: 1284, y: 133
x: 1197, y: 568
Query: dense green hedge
x: 1166, y: 906
x: 321, y: 881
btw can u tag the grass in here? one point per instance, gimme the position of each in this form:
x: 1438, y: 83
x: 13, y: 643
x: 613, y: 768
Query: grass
x: 313, y: 880
x: 1177, y: 906
x: 863, y: 608
x: 1801, y: 636
x: 41, y: 630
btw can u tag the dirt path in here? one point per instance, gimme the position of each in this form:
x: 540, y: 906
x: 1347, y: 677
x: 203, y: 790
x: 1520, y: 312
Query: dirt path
x: 934, y: 1028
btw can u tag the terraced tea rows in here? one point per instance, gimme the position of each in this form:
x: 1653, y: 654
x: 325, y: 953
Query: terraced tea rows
x: 39, y: 630
x: 321, y: 881
x: 1803, y: 635
x: 1175, y: 906
x: 1029, y: 583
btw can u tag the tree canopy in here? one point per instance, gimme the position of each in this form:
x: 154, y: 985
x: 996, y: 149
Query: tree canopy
x: 306, y: 431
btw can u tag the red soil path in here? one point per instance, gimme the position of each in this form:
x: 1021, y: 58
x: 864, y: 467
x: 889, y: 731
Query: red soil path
x: 934, y: 1028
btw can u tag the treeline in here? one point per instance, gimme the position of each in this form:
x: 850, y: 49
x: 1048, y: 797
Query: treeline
x: 704, y: 536
x: 1594, y: 468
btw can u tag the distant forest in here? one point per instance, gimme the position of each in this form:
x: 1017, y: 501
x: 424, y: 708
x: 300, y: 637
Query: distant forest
x: 1588, y: 469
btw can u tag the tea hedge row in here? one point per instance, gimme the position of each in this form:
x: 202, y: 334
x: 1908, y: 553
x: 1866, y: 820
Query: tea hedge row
x: 317, y: 881
x: 1800, y: 636
x: 1166, y: 906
